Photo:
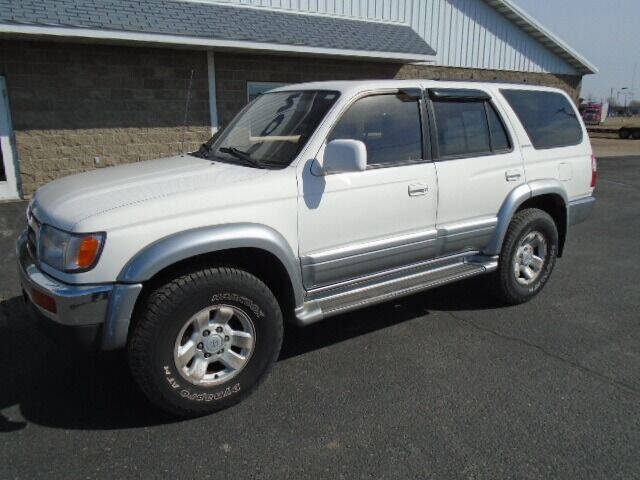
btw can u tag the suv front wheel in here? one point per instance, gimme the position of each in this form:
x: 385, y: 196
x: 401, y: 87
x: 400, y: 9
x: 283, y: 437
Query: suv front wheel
x: 205, y: 340
x: 528, y: 256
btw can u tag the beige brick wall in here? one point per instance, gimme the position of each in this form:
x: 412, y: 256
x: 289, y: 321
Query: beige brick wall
x: 72, y: 103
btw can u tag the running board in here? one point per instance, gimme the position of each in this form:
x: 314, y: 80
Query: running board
x: 329, y: 303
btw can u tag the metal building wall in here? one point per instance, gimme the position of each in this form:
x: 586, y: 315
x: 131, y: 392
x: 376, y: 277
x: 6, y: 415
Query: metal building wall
x: 465, y: 33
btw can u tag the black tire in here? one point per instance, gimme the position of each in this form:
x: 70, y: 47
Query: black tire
x: 636, y: 134
x: 153, y: 339
x: 506, y: 285
x: 624, y: 133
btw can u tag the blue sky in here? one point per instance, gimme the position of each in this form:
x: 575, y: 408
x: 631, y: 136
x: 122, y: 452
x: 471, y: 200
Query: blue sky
x: 606, y: 32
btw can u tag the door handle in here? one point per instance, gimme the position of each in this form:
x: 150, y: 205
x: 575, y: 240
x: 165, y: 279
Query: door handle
x: 417, y: 189
x: 512, y: 175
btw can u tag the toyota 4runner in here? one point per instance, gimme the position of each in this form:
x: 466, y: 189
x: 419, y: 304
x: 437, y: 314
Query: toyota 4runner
x: 317, y: 199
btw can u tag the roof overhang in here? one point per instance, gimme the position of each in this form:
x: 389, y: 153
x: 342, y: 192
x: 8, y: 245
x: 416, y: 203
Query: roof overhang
x: 84, y: 35
x: 531, y: 26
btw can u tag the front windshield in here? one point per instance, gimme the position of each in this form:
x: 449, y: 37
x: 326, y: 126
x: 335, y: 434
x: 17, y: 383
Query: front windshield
x: 272, y: 130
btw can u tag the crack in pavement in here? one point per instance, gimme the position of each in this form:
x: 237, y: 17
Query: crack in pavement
x: 595, y: 373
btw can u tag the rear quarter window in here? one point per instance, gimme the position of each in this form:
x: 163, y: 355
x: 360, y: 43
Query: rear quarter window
x: 548, y: 118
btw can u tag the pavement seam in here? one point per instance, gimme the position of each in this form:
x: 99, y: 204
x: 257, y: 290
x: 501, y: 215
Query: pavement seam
x: 595, y: 373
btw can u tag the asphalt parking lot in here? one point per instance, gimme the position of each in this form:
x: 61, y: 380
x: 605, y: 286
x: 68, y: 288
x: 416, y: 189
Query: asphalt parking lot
x: 445, y: 384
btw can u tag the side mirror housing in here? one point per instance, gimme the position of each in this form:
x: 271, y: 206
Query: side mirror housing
x: 341, y: 156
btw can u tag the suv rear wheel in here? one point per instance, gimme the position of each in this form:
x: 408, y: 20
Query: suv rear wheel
x: 528, y: 256
x: 205, y: 340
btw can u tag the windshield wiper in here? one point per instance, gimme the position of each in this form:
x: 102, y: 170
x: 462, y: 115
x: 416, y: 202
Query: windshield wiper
x: 242, y: 156
x: 203, y: 151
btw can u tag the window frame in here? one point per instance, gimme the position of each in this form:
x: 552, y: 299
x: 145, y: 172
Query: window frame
x: 526, y: 131
x: 459, y: 96
x: 423, y: 117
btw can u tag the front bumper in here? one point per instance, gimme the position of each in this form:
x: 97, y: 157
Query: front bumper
x: 97, y: 316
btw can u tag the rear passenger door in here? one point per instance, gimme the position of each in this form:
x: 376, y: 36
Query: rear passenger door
x: 476, y: 164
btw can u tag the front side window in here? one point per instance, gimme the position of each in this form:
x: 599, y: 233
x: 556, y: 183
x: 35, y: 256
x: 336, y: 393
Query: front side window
x: 271, y: 131
x: 548, y: 117
x: 388, y: 125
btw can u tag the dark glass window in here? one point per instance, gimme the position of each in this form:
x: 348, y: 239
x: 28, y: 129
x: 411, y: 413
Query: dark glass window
x: 389, y: 126
x: 548, y: 117
x: 499, y: 137
x: 274, y: 127
x: 3, y: 177
x: 462, y: 128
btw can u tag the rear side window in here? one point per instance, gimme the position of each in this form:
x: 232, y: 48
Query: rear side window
x: 389, y: 126
x: 469, y: 128
x: 548, y: 118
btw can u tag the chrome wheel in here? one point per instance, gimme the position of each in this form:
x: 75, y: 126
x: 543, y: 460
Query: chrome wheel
x: 214, y: 345
x: 529, y: 258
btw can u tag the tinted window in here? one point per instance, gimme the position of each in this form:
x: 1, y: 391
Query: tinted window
x: 274, y: 127
x: 462, y: 128
x: 389, y: 126
x: 548, y: 117
x: 499, y: 137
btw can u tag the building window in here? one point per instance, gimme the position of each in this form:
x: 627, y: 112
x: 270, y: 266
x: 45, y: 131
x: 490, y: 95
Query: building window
x: 389, y: 126
x: 255, y: 89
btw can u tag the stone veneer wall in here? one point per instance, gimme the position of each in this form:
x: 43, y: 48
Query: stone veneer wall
x: 71, y: 103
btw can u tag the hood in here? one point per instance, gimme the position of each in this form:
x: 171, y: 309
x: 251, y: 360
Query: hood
x: 69, y: 200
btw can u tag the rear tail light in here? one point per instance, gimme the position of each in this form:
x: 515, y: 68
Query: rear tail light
x: 594, y: 171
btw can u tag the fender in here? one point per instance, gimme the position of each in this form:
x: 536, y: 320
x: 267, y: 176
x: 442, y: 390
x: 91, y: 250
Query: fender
x: 190, y: 243
x: 517, y: 197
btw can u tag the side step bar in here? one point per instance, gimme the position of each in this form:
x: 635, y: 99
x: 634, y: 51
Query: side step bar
x: 330, y: 303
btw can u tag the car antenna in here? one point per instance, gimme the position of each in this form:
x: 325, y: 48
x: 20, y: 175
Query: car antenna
x: 186, y: 111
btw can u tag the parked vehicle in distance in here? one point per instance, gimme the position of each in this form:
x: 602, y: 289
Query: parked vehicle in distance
x: 594, y: 113
x: 630, y: 129
x: 317, y: 199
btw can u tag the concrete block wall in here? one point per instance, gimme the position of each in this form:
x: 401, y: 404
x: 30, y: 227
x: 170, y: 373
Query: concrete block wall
x: 72, y: 103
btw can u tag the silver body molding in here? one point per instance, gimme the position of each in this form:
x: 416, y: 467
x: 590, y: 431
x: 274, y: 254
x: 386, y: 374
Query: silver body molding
x: 190, y: 243
x: 517, y: 197
x: 580, y: 209
x: 336, y: 265
x: 119, y: 314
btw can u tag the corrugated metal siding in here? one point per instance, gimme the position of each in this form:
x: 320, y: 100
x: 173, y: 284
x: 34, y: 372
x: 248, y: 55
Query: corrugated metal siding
x: 465, y: 33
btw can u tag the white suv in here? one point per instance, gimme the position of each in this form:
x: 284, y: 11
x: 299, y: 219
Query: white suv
x: 317, y: 199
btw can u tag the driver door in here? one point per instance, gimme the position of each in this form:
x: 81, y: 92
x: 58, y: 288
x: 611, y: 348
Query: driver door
x: 356, y: 224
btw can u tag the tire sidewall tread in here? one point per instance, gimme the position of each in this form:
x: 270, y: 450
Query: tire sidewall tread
x: 152, y: 336
x: 506, y: 286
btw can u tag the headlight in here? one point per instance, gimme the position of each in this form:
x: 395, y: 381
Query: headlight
x: 69, y: 252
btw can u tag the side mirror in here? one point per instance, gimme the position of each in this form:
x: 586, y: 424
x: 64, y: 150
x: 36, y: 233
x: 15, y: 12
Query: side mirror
x: 342, y: 156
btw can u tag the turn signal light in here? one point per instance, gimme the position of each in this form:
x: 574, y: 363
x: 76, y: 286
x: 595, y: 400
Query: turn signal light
x: 45, y: 301
x: 88, y: 251
x: 594, y: 171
